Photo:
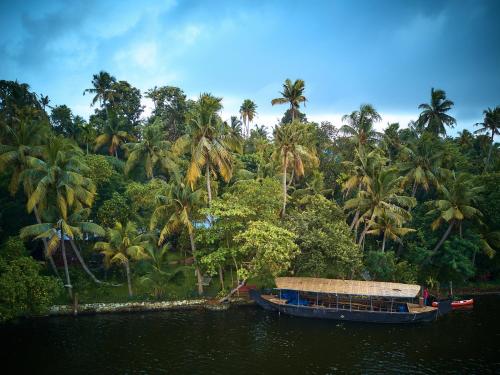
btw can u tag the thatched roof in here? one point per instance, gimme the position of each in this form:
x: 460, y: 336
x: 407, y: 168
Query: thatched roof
x: 354, y: 287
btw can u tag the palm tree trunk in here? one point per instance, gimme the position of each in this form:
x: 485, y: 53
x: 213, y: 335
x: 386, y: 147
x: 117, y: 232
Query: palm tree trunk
x: 291, y: 177
x: 414, y: 189
x: 221, y: 278
x: 129, y: 281
x: 445, y: 236
x: 197, y: 268
x: 66, y: 270
x: 82, y: 262
x: 209, y: 188
x: 116, y: 152
x: 383, y: 243
x: 45, y: 246
x: 293, y: 111
x: 354, y: 220
x: 489, y: 153
x: 285, y: 162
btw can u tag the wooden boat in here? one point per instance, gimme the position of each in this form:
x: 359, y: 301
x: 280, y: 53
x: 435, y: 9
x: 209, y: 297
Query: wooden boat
x: 458, y: 304
x: 348, y: 300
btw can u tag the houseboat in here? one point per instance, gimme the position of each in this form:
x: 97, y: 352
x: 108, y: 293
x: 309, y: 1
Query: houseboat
x: 349, y: 300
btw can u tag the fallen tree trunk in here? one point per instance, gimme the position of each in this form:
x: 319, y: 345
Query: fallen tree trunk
x: 226, y: 298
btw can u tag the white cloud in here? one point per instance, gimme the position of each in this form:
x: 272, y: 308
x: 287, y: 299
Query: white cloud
x: 188, y: 35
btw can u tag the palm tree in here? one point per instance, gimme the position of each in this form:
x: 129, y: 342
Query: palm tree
x: 421, y: 164
x: 248, y: 110
x: 115, y: 134
x: 382, y: 194
x: 102, y: 88
x: 87, y: 135
x: 60, y: 230
x: 235, y: 126
x: 390, y: 226
x: 434, y: 116
x: 293, y: 94
x: 291, y: 149
x: 21, y: 140
x: 359, y: 125
x: 58, y: 190
x: 124, y: 245
x: 210, y: 143
x: 491, y: 123
x: 174, y: 211
x: 459, y: 195
x: 151, y: 150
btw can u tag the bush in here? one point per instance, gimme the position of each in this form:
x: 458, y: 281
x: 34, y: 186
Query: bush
x: 23, y: 291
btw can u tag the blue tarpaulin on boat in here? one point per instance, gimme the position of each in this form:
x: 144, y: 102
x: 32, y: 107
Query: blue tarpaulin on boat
x: 292, y: 298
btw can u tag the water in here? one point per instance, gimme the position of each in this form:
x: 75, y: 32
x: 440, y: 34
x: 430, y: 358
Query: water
x: 248, y: 340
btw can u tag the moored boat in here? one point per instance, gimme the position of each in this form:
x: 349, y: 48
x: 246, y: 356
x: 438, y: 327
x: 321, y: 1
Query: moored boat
x: 348, y: 300
x: 458, y: 304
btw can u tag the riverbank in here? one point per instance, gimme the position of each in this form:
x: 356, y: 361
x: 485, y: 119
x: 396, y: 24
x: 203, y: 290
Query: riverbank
x: 104, y: 308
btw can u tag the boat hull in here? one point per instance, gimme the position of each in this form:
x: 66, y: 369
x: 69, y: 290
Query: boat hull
x: 346, y: 315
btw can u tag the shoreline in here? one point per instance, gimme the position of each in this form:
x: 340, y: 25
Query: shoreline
x: 126, y: 307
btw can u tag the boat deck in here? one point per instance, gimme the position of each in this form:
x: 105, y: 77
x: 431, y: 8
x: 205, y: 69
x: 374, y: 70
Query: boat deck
x: 412, y: 307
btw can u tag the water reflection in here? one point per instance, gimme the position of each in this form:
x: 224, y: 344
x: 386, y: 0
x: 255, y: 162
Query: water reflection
x: 252, y: 341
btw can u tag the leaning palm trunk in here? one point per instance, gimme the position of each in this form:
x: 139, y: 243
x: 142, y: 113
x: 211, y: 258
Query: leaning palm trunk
x: 445, y: 236
x: 197, y: 268
x: 226, y: 298
x: 129, y: 281
x: 82, y: 262
x: 66, y: 270
x: 45, y: 246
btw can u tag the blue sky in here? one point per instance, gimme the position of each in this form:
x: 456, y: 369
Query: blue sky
x: 387, y: 53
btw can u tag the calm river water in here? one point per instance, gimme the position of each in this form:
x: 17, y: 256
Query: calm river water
x: 248, y: 340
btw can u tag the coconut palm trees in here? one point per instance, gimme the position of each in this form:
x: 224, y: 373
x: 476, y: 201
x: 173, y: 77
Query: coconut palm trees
x: 292, y: 94
x: 210, y: 143
x: 421, y: 164
x: 458, y: 199
x: 248, y: 110
x: 124, y: 244
x: 174, y: 212
x: 434, y: 115
x: 491, y: 124
x: 291, y: 149
x: 382, y: 195
x: 115, y: 134
x: 359, y: 125
x: 151, y: 151
x: 102, y: 88
x: 390, y: 226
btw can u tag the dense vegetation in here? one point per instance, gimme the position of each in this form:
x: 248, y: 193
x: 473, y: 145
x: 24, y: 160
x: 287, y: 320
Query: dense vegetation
x: 158, y: 205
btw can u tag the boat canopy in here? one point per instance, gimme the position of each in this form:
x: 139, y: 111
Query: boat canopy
x: 352, y: 287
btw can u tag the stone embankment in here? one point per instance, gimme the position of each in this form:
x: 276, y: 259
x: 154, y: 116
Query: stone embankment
x: 100, y: 308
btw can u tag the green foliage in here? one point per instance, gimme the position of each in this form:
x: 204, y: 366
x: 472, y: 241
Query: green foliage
x: 116, y: 209
x: 266, y: 249
x: 13, y: 248
x: 23, y: 291
x: 327, y: 247
x: 385, y: 267
x: 99, y: 169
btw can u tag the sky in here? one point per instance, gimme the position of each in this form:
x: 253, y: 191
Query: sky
x: 386, y: 53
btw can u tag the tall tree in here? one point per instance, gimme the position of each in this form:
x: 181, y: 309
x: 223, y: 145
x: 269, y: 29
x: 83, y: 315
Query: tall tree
x: 174, y: 212
x: 115, y: 134
x: 124, y: 245
x: 293, y: 94
x: 491, y: 124
x: 248, y: 110
x: 434, y: 115
x: 151, y: 151
x: 210, y: 143
x: 292, y: 149
x: 359, y: 125
x: 458, y: 200
x: 389, y: 225
x: 102, y: 88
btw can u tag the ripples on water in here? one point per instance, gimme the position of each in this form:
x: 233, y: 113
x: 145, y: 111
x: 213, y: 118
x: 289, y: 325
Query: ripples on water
x: 248, y: 340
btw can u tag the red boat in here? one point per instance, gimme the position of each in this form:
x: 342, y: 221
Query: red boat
x: 458, y: 304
